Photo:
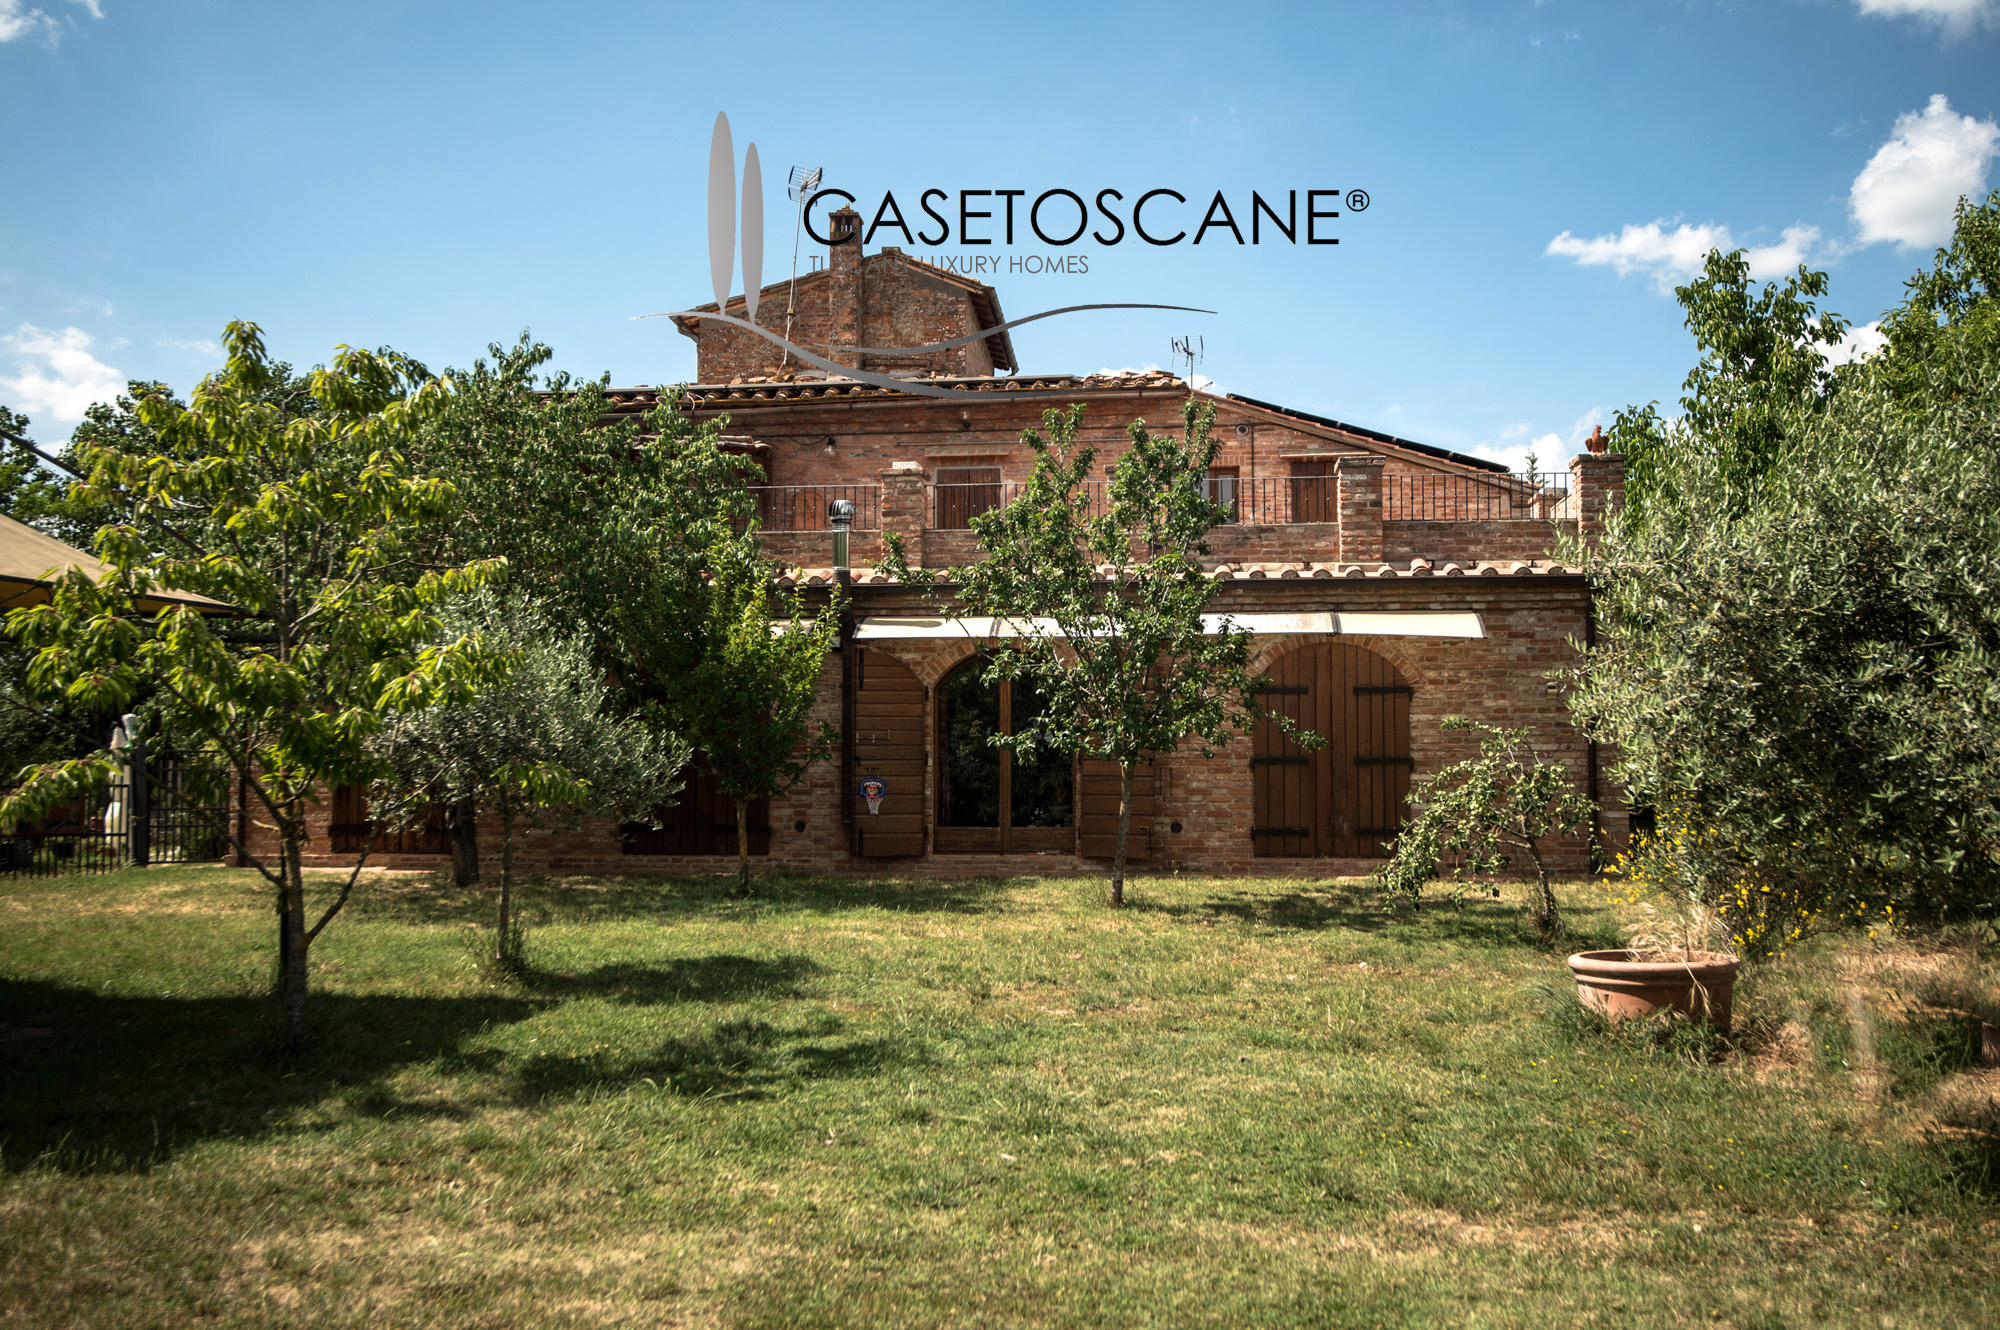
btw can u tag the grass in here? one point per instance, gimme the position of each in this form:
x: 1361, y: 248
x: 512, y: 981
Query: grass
x: 984, y: 1103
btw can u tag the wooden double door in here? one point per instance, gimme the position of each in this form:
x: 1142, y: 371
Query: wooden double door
x: 1348, y: 798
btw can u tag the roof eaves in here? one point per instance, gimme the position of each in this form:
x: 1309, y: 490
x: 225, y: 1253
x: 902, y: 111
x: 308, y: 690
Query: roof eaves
x: 1374, y: 436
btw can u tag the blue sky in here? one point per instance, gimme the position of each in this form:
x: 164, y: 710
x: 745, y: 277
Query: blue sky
x: 435, y: 177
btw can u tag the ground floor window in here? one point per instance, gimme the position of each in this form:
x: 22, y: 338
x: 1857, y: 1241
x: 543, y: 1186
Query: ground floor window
x: 349, y: 827
x: 700, y: 820
x: 989, y: 800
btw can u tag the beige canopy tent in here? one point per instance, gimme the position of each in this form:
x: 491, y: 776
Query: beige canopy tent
x: 31, y: 561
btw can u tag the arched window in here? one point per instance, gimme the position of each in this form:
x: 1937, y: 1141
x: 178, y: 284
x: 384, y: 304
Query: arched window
x: 990, y: 801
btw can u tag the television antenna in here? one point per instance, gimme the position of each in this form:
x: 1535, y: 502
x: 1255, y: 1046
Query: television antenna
x: 799, y: 188
x: 1191, y: 350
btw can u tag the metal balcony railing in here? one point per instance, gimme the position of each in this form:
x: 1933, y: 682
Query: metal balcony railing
x: 804, y: 507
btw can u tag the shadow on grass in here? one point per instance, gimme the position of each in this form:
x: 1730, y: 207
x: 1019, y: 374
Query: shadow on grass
x: 735, y: 1059
x: 91, y: 1083
x: 545, y: 900
x: 98, y: 1084
x: 1468, y: 919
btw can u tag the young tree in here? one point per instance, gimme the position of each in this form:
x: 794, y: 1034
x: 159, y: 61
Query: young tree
x: 302, y: 522
x: 1506, y: 799
x: 546, y: 734
x: 1111, y: 600
x: 747, y: 697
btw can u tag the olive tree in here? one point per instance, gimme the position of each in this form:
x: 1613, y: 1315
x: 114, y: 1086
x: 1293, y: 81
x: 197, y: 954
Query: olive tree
x: 544, y: 734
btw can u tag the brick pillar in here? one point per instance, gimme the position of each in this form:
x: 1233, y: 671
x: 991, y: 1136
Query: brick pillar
x: 1597, y: 489
x: 843, y: 263
x: 905, y: 493
x: 1361, y: 508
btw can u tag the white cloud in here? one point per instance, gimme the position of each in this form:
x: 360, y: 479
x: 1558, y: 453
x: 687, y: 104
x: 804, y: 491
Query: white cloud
x: 200, y: 346
x: 1954, y: 17
x: 18, y: 20
x: 1909, y: 188
x: 1551, y: 451
x: 1783, y: 258
x: 58, y: 378
x: 1864, y: 339
x: 1668, y: 257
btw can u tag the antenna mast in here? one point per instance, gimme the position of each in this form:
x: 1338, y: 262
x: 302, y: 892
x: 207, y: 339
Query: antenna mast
x: 804, y: 180
x: 1191, y: 350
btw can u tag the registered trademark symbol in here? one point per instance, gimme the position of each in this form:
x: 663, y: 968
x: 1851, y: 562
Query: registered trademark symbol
x: 1357, y: 200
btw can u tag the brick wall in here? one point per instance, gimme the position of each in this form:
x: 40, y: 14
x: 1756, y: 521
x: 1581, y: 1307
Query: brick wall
x: 1500, y: 679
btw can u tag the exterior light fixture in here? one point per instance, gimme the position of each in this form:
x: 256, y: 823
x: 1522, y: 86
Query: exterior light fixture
x: 840, y: 516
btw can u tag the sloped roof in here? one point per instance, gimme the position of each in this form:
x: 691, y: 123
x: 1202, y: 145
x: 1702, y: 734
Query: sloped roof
x: 773, y: 392
x: 31, y: 561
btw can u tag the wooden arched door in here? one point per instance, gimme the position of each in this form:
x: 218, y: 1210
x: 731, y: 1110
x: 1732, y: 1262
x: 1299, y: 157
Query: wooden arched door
x: 1348, y: 798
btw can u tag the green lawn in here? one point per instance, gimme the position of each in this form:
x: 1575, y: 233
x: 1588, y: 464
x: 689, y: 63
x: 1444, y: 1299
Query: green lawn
x: 985, y: 1103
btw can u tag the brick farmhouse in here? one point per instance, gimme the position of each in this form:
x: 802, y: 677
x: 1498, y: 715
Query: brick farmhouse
x: 1390, y: 584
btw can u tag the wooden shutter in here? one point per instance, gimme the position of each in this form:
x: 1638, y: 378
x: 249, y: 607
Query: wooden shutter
x: 888, y: 731
x: 1097, y: 813
x: 1348, y: 798
x: 963, y: 492
x: 1315, y: 492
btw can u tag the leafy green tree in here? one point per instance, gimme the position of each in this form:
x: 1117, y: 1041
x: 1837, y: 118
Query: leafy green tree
x: 1763, y: 372
x: 302, y: 522
x: 608, y: 526
x: 748, y: 695
x: 28, y: 489
x: 1111, y: 598
x: 1800, y: 664
x: 1948, y: 325
x: 1485, y: 809
x: 545, y: 735
x: 1807, y: 670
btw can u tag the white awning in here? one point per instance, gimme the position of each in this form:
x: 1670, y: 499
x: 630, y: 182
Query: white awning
x: 1412, y: 623
x: 1375, y: 623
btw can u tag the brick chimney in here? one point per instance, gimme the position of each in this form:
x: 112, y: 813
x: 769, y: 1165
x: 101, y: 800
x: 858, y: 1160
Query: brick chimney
x: 843, y: 262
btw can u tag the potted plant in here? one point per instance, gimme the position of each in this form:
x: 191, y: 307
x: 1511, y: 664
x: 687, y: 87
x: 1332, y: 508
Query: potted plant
x: 1672, y: 961
x: 1680, y: 954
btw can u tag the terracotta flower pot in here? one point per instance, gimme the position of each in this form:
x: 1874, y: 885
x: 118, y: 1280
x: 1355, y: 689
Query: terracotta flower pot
x: 1620, y: 987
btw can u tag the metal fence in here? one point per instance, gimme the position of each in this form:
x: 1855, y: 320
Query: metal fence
x: 1308, y: 499
x: 156, y: 812
x: 1538, y: 496
x: 804, y: 507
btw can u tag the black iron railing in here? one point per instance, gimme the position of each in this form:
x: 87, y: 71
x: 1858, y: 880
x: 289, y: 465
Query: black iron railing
x: 155, y: 812
x: 1538, y: 496
x: 804, y: 507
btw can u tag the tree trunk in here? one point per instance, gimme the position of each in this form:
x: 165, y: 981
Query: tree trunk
x: 504, y: 953
x: 292, y: 943
x: 461, y: 821
x: 742, y: 847
x: 1117, y: 897
x: 1547, y: 922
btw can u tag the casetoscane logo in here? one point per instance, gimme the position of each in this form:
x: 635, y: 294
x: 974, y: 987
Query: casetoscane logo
x: 1046, y: 217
